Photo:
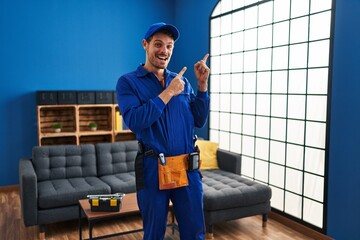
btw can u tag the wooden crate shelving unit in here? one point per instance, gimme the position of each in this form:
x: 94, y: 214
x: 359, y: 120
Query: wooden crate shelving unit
x: 75, y: 121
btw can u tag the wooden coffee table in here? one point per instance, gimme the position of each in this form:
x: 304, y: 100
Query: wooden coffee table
x: 129, y: 206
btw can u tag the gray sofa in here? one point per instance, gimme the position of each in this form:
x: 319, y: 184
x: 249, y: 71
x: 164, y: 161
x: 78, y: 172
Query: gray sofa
x: 52, y: 182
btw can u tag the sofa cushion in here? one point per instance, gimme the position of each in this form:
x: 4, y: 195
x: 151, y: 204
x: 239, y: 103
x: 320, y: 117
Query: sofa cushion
x: 67, y: 161
x: 121, y: 182
x: 65, y: 192
x: 118, y: 157
x: 223, y: 190
x: 208, y: 157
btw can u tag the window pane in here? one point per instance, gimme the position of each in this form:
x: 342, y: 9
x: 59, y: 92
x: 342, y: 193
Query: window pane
x: 214, y: 83
x: 238, y: 21
x: 281, y: 33
x: 296, y: 106
x: 250, y: 39
x: 215, y: 102
x: 248, y: 125
x: 214, y: 123
x: 249, y: 103
x: 214, y: 135
x: 248, y: 146
x: 262, y: 127
x: 215, y: 27
x: 237, y: 62
x: 315, y: 134
x: 316, y: 108
x: 297, y: 81
x: 263, y: 82
x: 317, y: 81
x: 225, y: 102
x: 281, y: 10
x: 279, y: 82
x: 264, y: 59
x: 294, y: 156
x: 249, y: 83
x: 280, y: 58
x: 262, y: 149
x: 250, y: 61
x: 263, y: 104
x: 225, y: 86
x: 226, y: 44
x: 313, y: 212
x: 238, y: 42
x: 293, y: 204
x: 235, y: 143
x: 294, y: 180
x: 265, y: 36
x: 315, y: 161
x: 236, y: 98
x: 265, y: 13
x: 236, y: 123
x: 277, y: 175
x: 298, y: 56
x: 295, y: 132
x: 278, y: 105
x: 225, y: 63
x: 320, y: 25
x: 261, y: 170
x: 278, y: 127
x: 215, y: 46
x: 225, y: 24
x: 237, y: 83
x: 277, y: 152
x: 224, y: 138
x: 314, y: 187
x: 299, y: 8
x: 225, y: 121
x: 319, y: 54
x: 299, y: 30
x: 247, y: 165
x: 215, y: 65
x: 251, y: 17
x: 226, y: 6
x: 277, y: 198
x: 317, y: 6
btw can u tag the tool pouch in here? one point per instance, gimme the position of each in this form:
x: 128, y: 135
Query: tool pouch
x: 173, y: 173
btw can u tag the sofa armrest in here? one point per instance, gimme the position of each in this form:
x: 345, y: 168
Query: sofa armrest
x: 229, y: 161
x: 28, y: 192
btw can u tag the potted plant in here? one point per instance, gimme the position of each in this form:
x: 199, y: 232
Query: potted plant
x: 93, y: 126
x: 57, y: 127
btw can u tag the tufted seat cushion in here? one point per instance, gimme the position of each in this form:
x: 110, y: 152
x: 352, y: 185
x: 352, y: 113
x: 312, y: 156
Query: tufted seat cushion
x: 66, y: 174
x: 65, y: 192
x: 225, y: 190
x: 116, y: 165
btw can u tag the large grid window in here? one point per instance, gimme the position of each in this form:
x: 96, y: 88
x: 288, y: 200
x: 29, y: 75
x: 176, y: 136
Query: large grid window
x: 269, y: 97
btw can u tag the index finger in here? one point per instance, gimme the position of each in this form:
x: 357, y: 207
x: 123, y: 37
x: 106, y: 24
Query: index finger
x: 205, y: 57
x: 180, y: 74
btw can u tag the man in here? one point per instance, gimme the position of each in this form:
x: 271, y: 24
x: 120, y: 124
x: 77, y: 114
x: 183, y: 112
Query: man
x: 161, y: 108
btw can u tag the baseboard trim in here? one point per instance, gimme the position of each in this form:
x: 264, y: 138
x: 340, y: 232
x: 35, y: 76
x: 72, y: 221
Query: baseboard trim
x: 298, y: 227
x: 9, y: 188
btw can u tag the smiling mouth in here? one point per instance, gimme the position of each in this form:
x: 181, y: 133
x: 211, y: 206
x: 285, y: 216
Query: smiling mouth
x: 162, y: 58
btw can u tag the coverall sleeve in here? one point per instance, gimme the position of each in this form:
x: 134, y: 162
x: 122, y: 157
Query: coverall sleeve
x: 200, y: 107
x: 136, y: 114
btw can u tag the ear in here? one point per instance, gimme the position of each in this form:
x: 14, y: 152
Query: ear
x: 144, y: 44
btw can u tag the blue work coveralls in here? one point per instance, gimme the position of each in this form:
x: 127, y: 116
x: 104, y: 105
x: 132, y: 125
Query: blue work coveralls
x: 167, y: 129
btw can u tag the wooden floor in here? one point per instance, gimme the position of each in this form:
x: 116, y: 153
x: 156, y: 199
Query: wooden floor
x: 13, y: 228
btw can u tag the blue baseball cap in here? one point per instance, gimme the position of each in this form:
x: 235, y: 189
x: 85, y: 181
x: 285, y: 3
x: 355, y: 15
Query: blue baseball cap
x: 156, y: 27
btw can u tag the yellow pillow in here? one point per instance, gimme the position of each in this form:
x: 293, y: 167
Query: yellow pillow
x: 208, y: 154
